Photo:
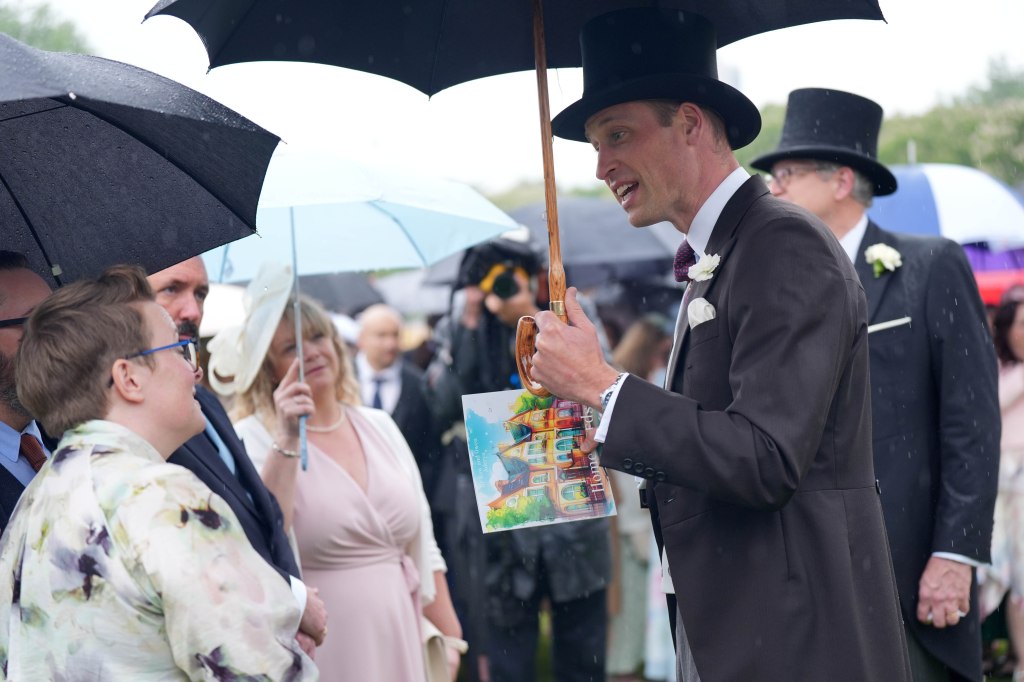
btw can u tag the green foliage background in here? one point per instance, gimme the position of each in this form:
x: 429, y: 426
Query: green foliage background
x: 40, y: 27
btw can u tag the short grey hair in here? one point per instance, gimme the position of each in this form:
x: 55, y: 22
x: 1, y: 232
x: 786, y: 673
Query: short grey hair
x: 863, y: 189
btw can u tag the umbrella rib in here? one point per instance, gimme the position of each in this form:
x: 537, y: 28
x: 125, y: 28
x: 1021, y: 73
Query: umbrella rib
x: 59, y: 105
x: 169, y: 160
x: 32, y: 230
x: 398, y: 222
x: 437, y: 43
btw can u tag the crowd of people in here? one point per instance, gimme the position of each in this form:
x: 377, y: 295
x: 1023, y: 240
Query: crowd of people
x: 818, y: 465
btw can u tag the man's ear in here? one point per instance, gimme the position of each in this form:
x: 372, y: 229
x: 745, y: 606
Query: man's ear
x: 691, y: 118
x: 127, y: 379
x: 844, y: 183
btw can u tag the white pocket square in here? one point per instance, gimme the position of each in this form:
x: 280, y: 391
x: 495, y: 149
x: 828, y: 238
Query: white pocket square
x: 699, y: 311
x: 888, y: 325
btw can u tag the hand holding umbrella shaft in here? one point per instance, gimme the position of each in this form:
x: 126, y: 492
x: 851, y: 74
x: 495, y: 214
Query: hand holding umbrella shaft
x: 569, y: 361
x: 292, y: 399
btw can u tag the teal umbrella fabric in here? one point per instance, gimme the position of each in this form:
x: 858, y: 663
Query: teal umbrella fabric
x: 347, y: 216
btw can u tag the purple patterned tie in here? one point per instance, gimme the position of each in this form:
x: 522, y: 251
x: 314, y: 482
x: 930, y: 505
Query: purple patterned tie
x: 685, y: 258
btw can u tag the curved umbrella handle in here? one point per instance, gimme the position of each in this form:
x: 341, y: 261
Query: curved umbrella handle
x: 526, y: 345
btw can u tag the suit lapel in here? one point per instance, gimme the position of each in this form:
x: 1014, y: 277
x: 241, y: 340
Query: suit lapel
x: 723, y: 238
x: 206, y: 452
x: 874, y: 287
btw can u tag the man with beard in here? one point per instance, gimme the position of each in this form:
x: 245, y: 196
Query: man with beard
x: 219, y: 458
x: 21, y: 448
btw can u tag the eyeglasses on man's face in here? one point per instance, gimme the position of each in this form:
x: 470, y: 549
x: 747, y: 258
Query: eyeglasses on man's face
x: 187, y: 348
x: 13, y: 322
x: 781, y: 176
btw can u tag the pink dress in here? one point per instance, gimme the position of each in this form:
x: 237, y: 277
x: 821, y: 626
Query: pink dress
x: 353, y: 546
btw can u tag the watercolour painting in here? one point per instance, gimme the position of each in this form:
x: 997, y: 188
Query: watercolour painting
x: 528, y: 468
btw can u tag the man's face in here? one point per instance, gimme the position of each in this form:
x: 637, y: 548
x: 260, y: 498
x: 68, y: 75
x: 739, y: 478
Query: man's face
x: 20, y: 292
x: 182, y: 289
x: 648, y: 166
x: 379, y: 338
x: 799, y: 181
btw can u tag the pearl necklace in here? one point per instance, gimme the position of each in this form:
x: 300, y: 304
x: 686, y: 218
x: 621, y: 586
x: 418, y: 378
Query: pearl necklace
x: 331, y: 427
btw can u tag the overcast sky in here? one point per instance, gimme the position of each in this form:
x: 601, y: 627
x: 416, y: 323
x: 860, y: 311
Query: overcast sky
x: 486, y: 132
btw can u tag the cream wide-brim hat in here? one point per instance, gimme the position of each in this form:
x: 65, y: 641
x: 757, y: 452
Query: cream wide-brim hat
x: 237, y: 353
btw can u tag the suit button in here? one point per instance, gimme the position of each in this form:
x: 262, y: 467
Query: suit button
x: 648, y: 472
x: 639, y: 468
x: 627, y: 463
x: 660, y: 476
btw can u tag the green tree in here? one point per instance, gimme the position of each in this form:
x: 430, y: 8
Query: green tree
x: 41, y: 27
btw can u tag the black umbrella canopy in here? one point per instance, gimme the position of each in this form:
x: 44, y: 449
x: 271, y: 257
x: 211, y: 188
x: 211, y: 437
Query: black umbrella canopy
x: 435, y: 44
x: 104, y: 163
x: 598, y: 243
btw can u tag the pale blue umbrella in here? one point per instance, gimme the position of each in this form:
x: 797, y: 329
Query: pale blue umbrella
x: 324, y: 213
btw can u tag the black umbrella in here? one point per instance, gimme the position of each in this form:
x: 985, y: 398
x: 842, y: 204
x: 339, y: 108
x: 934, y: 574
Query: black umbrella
x: 103, y: 163
x: 435, y: 44
x: 599, y: 244
x: 348, y: 293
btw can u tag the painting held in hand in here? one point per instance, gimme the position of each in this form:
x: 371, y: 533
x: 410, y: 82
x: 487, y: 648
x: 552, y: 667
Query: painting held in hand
x: 527, y: 463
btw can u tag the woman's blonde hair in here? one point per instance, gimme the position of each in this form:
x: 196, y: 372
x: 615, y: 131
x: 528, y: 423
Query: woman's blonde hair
x: 258, y: 399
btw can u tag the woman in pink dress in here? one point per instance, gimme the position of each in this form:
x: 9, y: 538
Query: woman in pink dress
x: 1007, y: 570
x: 359, y: 514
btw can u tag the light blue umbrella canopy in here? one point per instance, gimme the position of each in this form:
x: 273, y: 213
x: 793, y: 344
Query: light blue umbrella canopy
x: 349, y: 216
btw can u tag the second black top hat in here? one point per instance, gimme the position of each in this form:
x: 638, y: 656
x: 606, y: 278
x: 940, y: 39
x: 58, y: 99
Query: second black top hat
x: 835, y: 126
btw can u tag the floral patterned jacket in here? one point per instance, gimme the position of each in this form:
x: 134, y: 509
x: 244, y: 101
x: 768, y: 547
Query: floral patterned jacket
x: 119, y: 566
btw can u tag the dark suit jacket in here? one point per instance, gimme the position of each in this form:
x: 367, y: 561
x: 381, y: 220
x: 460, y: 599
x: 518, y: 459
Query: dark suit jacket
x: 10, y: 491
x: 414, y: 420
x: 261, y: 516
x: 935, y: 411
x: 761, y: 460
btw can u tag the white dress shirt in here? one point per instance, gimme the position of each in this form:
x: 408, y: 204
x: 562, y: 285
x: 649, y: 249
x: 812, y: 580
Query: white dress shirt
x: 10, y: 447
x: 390, y: 383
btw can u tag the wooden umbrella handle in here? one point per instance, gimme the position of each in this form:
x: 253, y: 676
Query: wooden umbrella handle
x: 526, y: 331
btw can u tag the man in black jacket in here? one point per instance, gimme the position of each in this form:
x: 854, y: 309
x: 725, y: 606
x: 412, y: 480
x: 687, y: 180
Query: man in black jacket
x: 21, y: 442
x: 935, y: 409
x: 219, y: 458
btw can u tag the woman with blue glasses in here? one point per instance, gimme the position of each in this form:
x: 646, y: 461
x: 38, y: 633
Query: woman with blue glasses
x: 116, y: 565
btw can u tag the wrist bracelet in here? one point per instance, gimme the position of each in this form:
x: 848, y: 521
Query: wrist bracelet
x: 286, y: 453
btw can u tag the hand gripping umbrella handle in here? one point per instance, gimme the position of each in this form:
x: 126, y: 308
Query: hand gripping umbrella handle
x: 526, y: 332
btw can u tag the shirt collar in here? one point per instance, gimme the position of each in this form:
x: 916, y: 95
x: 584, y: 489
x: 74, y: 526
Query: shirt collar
x: 852, y: 239
x: 10, y: 440
x: 704, y: 222
x: 363, y: 369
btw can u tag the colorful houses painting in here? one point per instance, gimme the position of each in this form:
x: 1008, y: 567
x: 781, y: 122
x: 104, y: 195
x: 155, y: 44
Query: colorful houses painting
x: 535, y: 469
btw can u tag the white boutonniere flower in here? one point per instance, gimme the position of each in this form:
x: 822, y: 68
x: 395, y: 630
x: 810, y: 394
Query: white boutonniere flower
x: 699, y: 311
x: 882, y: 258
x: 704, y: 268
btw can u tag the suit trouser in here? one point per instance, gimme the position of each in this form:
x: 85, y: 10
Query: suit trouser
x: 924, y: 666
x: 579, y: 628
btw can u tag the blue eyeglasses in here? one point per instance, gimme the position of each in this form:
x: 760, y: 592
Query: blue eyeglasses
x: 13, y: 322
x: 188, y: 350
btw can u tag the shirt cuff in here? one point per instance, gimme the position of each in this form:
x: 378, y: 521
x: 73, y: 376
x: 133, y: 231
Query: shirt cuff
x: 959, y: 558
x: 606, y: 418
x: 299, y: 592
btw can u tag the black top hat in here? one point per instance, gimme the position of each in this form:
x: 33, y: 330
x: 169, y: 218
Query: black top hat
x: 836, y: 126
x: 652, y: 53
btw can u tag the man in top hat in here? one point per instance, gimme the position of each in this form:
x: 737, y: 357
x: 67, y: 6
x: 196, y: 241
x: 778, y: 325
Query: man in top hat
x: 757, y: 457
x: 935, y: 408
